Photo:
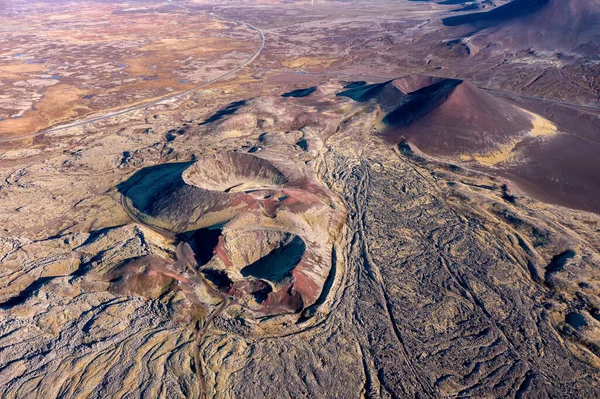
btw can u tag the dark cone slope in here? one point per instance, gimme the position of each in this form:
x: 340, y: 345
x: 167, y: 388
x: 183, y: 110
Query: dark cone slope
x: 446, y: 117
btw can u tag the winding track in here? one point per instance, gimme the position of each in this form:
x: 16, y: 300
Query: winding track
x: 83, y: 122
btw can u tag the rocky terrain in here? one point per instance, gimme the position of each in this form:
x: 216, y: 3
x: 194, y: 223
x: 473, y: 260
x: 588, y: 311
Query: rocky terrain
x: 300, y: 235
x: 441, y: 281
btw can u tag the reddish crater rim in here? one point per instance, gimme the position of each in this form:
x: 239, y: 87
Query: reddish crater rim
x: 234, y: 172
x: 411, y: 83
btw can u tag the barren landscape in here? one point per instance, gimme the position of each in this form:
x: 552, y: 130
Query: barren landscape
x: 72, y: 59
x: 299, y: 199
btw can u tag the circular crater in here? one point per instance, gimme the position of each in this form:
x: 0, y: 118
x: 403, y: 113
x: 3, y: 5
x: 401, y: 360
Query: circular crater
x: 257, y: 268
x: 234, y: 172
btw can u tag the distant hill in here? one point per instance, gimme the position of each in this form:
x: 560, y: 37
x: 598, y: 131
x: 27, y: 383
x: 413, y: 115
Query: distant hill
x: 543, y: 24
x: 444, y: 116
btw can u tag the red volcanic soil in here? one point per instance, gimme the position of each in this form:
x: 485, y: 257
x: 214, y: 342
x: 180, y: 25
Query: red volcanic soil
x: 545, y: 24
x: 455, y: 119
x: 412, y: 83
x: 445, y: 117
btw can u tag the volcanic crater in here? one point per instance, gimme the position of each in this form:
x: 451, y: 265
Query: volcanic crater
x: 444, y: 116
x: 256, y: 229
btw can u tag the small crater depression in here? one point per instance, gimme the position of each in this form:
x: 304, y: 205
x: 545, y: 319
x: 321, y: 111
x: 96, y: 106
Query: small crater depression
x: 558, y: 262
x: 576, y: 320
x: 412, y: 83
x: 258, y: 267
